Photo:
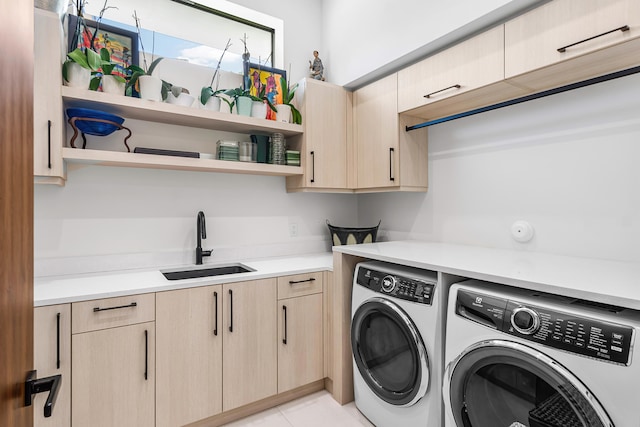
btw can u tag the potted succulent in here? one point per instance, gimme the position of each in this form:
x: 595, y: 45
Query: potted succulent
x: 78, y: 67
x: 287, y: 110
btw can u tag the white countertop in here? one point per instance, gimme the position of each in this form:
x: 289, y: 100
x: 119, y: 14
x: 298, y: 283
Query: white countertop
x: 82, y: 287
x: 610, y: 282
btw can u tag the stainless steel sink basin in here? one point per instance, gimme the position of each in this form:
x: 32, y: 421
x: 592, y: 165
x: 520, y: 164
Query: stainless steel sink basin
x: 218, y: 270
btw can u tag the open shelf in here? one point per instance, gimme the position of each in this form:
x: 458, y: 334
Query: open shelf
x: 162, y: 112
x: 137, y: 160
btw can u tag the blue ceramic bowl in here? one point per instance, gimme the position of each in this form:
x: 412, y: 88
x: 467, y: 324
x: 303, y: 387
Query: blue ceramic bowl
x: 94, y: 128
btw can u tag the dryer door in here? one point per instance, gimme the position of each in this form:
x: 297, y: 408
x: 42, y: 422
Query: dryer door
x: 389, y: 352
x: 504, y: 383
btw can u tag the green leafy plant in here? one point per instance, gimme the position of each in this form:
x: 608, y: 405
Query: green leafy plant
x: 208, y: 91
x: 136, y: 72
x: 262, y: 97
x: 86, y: 59
x: 106, y: 69
x: 288, y: 92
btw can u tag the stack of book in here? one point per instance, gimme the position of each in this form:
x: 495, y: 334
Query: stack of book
x: 292, y: 157
x: 227, y: 150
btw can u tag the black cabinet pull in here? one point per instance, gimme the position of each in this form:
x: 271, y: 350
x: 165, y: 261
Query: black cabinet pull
x: 146, y: 354
x: 391, y: 153
x: 284, y: 309
x: 97, y: 309
x: 442, y: 90
x: 58, y: 341
x: 215, y: 314
x: 230, y: 310
x: 49, y: 143
x: 564, y: 48
x: 294, y: 282
x: 313, y: 166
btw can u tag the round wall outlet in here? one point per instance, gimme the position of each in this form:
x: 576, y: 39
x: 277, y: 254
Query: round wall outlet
x: 522, y: 231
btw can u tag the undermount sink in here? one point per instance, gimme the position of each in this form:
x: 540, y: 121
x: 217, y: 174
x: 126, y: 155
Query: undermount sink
x: 194, y: 273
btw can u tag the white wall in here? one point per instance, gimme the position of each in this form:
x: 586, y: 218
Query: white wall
x: 568, y: 164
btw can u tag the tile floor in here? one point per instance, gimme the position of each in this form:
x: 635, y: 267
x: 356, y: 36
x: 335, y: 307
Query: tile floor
x: 315, y: 410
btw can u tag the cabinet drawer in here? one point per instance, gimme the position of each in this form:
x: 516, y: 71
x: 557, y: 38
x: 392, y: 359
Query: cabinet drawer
x: 299, y: 284
x: 112, y: 312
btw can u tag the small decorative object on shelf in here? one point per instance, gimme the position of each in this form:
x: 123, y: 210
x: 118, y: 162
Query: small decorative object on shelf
x: 94, y: 122
x: 316, y: 69
x: 352, y: 235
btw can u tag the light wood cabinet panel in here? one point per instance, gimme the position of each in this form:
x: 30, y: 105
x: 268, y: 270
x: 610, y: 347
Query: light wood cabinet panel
x: 189, y: 355
x: 299, y: 285
x: 48, y: 117
x: 250, y: 348
x: 327, y: 322
x: 323, y: 146
x: 300, y: 336
x: 52, y: 356
x: 112, y: 312
x: 113, y: 380
x: 588, y: 30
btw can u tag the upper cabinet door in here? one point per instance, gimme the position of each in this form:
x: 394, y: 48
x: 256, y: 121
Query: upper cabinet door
x: 469, y: 65
x: 565, y: 29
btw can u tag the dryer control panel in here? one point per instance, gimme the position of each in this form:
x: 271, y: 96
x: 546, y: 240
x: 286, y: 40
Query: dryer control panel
x: 413, y: 289
x: 552, y: 327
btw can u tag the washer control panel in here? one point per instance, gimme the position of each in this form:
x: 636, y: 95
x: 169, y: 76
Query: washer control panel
x: 413, y: 289
x: 549, y: 326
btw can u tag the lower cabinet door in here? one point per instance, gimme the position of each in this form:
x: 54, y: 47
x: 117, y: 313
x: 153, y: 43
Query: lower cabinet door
x: 189, y: 355
x: 300, y: 342
x: 113, y: 380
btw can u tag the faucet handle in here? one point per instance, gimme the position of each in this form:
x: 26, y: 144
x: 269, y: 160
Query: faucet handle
x: 207, y: 253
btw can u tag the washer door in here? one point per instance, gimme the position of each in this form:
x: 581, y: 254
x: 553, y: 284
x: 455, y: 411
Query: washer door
x: 503, y: 383
x: 389, y: 352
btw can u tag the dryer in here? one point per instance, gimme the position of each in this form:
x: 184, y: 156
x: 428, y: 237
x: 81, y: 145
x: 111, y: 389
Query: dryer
x: 394, y: 329
x: 521, y: 358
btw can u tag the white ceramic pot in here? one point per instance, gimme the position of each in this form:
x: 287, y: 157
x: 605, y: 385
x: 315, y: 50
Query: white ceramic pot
x: 150, y: 88
x: 259, y: 109
x: 111, y: 85
x: 183, y: 99
x: 284, y: 113
x: 224, y: 106
x: 77, y: 76
x: 213, y: 104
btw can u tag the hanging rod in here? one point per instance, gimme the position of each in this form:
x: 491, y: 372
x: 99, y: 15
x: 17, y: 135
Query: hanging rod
x: 531, y: 97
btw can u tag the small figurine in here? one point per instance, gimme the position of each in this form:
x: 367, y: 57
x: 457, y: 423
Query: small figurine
x: 317, y: 69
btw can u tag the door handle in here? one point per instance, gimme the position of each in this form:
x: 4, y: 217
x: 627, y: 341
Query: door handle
x: 284, y: 309
x: 313, y: 166
x: 34, y: 386
x: 215, y: 313
x: 58, y: 340
x: 146, y: 354
x: 49, y: 143
x: 230, y: 310
x: 391, y: 154
x: 564, y: 48
x: 456, y: 86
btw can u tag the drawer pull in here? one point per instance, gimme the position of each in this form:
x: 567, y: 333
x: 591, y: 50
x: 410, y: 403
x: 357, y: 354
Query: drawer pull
x: 564, y: 48
x: 295, y: 282
x: 97, y: 309
x: 442, y: 90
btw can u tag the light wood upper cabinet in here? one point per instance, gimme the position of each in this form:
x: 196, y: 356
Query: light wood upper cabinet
x: 534, y: 41
x: 48, y: 117
x: 387, y: 157
x: 189, y: 355
x: 52, y: 356
x: 250, y: 349
x: 323, y: 146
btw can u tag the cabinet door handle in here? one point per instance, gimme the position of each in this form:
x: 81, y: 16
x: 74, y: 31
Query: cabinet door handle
x: 313, y: 166
x: 97, y: 309
x: 58, y: 341
x: 146, y: 354
x: 49, y: 143
x: 391, y: 153
x: 295, y: 282
x: 442, y: 90
x: 215, y: 313
x: 230, y: 310
x: 284, y: 310
x: 564, y: 48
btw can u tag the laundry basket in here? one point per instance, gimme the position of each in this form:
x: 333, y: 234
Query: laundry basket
x: 352, y: 235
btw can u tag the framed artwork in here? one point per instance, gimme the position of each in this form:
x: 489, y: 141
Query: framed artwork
x: 258, y: 76
x: 122, y: 44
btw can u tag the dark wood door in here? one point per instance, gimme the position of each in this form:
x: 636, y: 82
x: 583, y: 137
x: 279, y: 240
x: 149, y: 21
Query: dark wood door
x: 16, y: 209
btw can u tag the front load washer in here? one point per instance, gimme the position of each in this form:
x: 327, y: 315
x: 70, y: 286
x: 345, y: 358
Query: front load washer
x: 394, y: 330
x: 521, y: 358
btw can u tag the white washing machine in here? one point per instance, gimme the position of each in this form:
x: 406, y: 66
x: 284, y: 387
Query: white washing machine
x: 520, y: 358
x: 394, y: 329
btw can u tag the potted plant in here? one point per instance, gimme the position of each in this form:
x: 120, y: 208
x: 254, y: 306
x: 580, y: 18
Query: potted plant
x: 111, y: 83
x: 260, y: 103
x: 78, y: 67
x: 287, y: 109
x: 241, y: 99
x: 179, y: 96
x: 209, y: 96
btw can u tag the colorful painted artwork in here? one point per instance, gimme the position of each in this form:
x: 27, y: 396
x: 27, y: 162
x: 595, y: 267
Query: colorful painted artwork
x: 269, y: 78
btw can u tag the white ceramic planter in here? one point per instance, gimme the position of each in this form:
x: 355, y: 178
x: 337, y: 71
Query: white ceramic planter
x: 284, y: 113
x: 111, y: 85
x: 77, y: 76
x: 213, y: 104
x: 150, y: 88
x: 259, y: 109
x: 183, y: 99
x: 224, y: 106
x: 244, y: 104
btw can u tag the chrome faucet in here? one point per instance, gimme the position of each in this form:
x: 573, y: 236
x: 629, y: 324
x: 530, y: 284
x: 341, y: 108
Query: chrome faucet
x: 201, y: 233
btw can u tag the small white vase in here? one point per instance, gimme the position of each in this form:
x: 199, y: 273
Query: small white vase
x: 244, y: 104
x: 77, y: 76
x: 284, y: 113
x: 150, y: 88
x: 259, y: 109
x: 213, y: 104
x: 111, y: 85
